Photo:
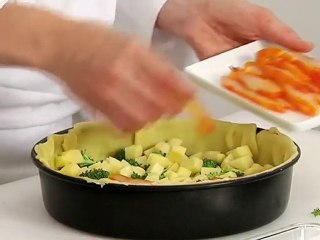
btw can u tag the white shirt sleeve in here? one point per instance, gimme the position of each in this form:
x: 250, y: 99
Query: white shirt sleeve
x: 2, y: 3
x: 138, y: 17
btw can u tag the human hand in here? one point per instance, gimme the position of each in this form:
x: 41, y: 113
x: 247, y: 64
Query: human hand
x: 113, y: 73
x: 120, y: 77
x: 215, y: 26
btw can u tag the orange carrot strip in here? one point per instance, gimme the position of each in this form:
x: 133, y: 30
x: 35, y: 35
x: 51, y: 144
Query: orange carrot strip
x: 305, y: 103
x: 260, y: 85
x: 237, y: 88
x: 124, y: 179
x: 282, y: 76
x: 205, y: 124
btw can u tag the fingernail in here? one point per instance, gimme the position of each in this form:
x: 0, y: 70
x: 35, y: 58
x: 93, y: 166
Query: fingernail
x: 308, y: 45
x: 311, y: 44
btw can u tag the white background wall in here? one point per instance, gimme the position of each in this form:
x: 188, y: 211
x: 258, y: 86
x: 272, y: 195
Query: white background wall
x: 302, y: 15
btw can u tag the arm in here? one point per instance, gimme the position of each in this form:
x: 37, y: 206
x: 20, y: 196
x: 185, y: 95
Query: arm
x: 26, y: 43
x: 90, y: 59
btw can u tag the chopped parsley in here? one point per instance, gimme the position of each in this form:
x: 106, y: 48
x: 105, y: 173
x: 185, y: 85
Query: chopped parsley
x: 316, y: 212
x: 210, y: 163
x: 95, y: 174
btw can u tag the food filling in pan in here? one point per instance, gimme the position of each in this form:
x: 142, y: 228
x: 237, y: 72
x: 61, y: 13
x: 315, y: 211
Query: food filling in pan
x: 169, y: 152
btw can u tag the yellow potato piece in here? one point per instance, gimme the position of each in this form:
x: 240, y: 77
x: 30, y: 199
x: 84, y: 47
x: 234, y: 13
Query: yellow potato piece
x: 186, y: 130
x: 255, y: 168
x: 194, y: 164
x: 242, y: 163
x: 71, y: 169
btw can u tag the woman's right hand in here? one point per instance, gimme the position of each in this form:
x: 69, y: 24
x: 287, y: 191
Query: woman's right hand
x: 114, y: 73
x: 119, y: 76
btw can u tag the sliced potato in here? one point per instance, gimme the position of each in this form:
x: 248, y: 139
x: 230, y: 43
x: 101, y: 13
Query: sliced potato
x: 194, y: 164
x: 255, y: 168
x: 133, y: 151
x: 241, y: 152
x: 126, y: 171
x: 177, y: 154
x: 226, y: 162
x: 242, y: 163
x: 156, y: 169
x: 157, y: 158
x: 71, y: 169
x: 183, y: 172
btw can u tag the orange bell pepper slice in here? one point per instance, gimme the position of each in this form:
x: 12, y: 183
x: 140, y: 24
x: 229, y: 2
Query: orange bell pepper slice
x: 311, y: 70
x: 235, y: 87
x: 279, y: 80
x: 206, y: 125
x: 258, y: 84
x: 289, y: 66
x: 282, y: 76
x: 309, y: 66
x: 266, y: 55
x: 305, y: 103
x: 307, y: 85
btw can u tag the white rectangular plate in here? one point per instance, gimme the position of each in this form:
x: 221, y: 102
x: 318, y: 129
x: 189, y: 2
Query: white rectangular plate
x: 208, y: 74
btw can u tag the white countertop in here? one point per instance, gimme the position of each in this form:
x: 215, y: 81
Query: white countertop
x: 23, y: 216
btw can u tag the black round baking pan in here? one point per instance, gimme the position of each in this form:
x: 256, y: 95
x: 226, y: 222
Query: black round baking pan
x: 195, y: 211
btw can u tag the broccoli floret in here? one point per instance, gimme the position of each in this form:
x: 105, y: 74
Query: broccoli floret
x: 145, y: 167
x: 213, y: 175
x: 226, y: 170
x: 210, y: 163
x: 95, y: 174
x: 239, y: 173
x: 87, y: 159
x: 134, y: 163
x: 162, y: 176
x: 137, y: 176
x: 121, y: 154
x: 236, y: 171
x: 316, y: 212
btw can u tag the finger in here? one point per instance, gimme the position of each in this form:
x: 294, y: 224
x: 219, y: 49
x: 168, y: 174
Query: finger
x: 171, y: 87
x: 270, y: 28
x: 167, y: 81
x: 132, y: 104
x: 148, y: 86
x: 175, y: 99
x: 110, y: 102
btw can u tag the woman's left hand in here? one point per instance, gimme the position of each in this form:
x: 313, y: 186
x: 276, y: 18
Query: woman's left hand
x: 215, y: 26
